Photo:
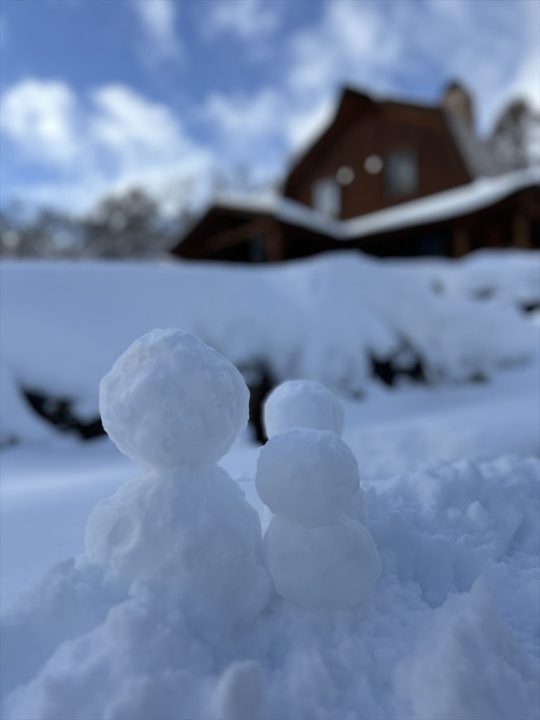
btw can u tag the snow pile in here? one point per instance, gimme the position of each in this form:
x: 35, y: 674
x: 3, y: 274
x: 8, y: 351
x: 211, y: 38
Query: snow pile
x: 327, y: 318
x: 510, y: 278
x: 452, y: 633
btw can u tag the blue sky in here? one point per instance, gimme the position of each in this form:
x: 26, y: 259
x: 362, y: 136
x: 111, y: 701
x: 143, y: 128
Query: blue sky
x: 98, y: 95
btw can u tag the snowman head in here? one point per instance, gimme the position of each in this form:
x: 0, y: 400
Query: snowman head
x: 171, y: 401
x: 302, y: 404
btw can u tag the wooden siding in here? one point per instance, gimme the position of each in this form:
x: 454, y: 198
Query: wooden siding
x: 363, y: 128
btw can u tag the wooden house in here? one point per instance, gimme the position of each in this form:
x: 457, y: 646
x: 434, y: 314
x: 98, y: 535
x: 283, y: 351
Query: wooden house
x: 390, y: 178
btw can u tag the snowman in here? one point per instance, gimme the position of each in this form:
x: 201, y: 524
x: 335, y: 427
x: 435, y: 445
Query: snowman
x: 317, y: 552
x: 183, y: 530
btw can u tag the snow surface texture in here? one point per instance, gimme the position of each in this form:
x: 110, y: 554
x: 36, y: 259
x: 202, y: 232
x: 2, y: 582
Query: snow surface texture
x: 308, y: 477
x: 183, y: 529
x: 453, y: 633
x: 323, y: 318
x: 171, y: 401
x: 302, y: 404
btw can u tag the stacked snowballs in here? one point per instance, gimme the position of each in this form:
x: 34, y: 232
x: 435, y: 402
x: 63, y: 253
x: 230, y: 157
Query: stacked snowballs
x: 184, y: 529
x: 318, y: 553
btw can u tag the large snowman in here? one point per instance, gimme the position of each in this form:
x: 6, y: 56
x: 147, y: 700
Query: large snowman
x: 183, y: 529
x: 317, y: 551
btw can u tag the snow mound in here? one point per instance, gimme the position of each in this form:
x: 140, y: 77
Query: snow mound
x: 302, y: 404
x: 449, y: 675
x: 328, y: 318
x: 308, y: 477
x: 452, y: 632
x: 171, y: 401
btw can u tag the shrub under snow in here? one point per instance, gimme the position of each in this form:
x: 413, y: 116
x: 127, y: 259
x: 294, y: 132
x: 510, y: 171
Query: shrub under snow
x: 328, y: 318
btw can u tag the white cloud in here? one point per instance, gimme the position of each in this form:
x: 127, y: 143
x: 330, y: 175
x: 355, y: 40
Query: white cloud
x: 400, y: 48
x: 41, y: 118
x: 525, y: 81
x: 248, y: 20
x: 116, y: 140
x: 132, y: 128
x: 351, y: 41
x: 157, y: 18
x: 262, y: 129
x: 385, y: 47
x: 244, y: 117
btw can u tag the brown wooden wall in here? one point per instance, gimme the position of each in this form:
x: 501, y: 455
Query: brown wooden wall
x: 379, y: 129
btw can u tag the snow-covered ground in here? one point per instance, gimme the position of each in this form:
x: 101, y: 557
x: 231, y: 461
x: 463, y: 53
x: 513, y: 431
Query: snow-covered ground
x: 63, y: 324
x: 450, y: 472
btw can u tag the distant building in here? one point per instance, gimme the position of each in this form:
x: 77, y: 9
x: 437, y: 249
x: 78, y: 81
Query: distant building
x: 387, y: 177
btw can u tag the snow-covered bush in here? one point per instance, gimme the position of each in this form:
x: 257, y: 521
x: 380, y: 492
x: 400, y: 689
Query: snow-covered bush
x: 331, y: 318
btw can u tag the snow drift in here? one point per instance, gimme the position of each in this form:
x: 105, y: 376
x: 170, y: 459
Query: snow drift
x: 453, y: 631
x: 327, y: 318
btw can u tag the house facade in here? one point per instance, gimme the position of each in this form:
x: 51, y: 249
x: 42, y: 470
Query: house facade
x: 387, y: 177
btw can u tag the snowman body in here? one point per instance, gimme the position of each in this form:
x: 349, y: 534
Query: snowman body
x: 319, y: 555
x: 184, y: 529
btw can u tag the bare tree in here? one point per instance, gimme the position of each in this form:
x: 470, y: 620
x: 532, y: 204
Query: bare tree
x: 48, y: 233
x: 515, y: 137
x: 123, y: 225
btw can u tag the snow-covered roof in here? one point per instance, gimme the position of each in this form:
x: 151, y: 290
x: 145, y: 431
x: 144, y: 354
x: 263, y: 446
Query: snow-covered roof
x: 462, y: 200
x: 281, y: 208
x: 442, y: 206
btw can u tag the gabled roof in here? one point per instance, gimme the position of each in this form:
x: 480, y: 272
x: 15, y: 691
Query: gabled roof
x: 474, y: 153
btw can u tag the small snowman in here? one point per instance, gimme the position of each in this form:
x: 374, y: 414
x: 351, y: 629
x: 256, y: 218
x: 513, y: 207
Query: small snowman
x: 184, y: 529
x: 318, y: 553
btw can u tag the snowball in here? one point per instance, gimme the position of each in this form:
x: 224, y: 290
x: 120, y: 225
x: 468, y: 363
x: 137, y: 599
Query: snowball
x: 194, y: 536
x: 307, y: 476
x: 170, y: 400
x: 302, y: 404
x: 331, y: 566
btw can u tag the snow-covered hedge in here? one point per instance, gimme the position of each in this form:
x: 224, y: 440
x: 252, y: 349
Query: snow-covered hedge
x: 327, y: 318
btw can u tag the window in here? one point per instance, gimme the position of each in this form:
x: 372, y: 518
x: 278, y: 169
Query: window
x: 257, y: 250
x: 326, y: 196
x: 401, y: 173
